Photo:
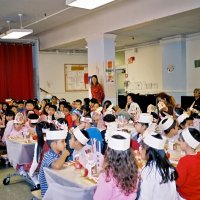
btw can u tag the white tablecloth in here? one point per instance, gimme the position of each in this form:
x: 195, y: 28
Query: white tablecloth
x: 67, y: 183
x: 19, y: 152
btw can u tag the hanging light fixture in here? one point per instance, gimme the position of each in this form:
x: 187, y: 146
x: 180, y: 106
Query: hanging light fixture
x: 16, y: 33
x: 87, y: 4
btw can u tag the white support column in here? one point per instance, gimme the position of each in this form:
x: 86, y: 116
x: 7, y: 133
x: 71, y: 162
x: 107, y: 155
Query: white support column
x: 101, y: 56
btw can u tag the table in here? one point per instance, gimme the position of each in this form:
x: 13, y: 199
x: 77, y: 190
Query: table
x: 67, y: 183
x: 19, y: 152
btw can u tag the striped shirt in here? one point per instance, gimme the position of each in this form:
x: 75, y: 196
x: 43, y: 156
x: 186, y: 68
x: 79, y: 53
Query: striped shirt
x: 48, y: 159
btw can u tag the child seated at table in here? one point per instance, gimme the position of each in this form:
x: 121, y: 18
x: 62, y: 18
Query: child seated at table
x: 41, y: 147
x: 169, y: 128
x: 184, y: 121
x: 51, y: 111
x: 78, y: 142
x: 55, y: 157
x: 158, y: 176
x: 14, y: 128
x: 141, y: 126
x: 119, y: 177
x: 76, y: 115
x: 188, y: 181
x: 31, y: 123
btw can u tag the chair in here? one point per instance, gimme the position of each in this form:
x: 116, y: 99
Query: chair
x: 94, y: 133
x: 36, y: 195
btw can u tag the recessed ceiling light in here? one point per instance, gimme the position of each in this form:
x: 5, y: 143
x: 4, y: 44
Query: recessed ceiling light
x: 87, y: 4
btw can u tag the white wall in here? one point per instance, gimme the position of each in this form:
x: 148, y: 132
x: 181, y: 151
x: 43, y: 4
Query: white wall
x: 145, y: 73
x: 192, y: 53
x: 147, y: 68
x: 51, y: 74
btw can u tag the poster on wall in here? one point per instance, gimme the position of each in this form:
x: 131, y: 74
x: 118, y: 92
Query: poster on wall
x: 76, y: 77
x: 110, y: 73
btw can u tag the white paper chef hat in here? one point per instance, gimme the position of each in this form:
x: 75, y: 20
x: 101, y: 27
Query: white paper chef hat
x: 98, y: 110
x: 182, y: 117
x: 86, y: 119
x: 167, y: 124
x: 56, y: 135
x: 119, y: 144
x: 79, y: 136
x: 45, y: 130
x: 189, y: 139
x: 154, y: 142
x: 145, y: 118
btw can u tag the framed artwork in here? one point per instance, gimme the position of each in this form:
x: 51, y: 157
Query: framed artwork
x: 76, y: 77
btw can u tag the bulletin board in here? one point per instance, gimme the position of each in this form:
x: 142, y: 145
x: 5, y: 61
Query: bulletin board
x: 76, y: 77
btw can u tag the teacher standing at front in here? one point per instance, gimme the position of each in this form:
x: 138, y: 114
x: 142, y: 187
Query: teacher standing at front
x: 97, y: 89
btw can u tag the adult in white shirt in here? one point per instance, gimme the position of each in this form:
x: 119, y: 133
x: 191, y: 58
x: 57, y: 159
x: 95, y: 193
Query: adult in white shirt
x: 132, y: 108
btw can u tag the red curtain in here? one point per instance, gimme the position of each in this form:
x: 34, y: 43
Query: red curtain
x: 16, y: 71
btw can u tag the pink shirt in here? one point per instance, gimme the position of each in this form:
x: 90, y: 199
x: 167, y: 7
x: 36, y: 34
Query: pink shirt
x: 11, y: 131
x: 110, y: 191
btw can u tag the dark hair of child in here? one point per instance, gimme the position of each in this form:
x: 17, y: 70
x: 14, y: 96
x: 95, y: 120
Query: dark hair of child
x: 93, y: 100
x: 9, y: 113
x: 30, y: 101
x: 109, y: 118
x: 86, y: 101
x: 78, y: 101
x: 44, y: 110
x: 40, y: 137
x: 178, y: 111
x: 33, y: 116
x: 62, y: 121
x: 68, y: 107
x: 182, y: 124
x: 166, y: 169
x: 107, y: 103
x: 122, y: 166
x: 53, y: 106
x: 87, y: 109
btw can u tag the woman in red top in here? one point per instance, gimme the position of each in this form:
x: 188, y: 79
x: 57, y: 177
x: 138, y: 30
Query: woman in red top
x: 97, y: 89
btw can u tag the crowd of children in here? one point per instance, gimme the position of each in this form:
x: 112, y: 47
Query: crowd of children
x: 67, y: 131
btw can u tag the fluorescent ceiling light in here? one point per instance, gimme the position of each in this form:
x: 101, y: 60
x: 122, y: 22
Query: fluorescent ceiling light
x: 87, y: 4
x: 16, y: 33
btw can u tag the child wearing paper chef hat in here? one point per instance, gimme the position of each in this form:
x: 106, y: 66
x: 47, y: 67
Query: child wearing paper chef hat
x: 119, y: 177
x: 188, y: 181
x: 55, y: 157
x: 158, y: 176
x: 78, y: 142
x: 41, y: 147
x: 86, y: 122
x: 169, y: 126
x: 184, y: 121
x: 141, y: 126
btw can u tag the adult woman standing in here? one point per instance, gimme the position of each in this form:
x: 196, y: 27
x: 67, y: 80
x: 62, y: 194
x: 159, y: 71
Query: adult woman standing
x: 97, y: 89
x: 166, y: 103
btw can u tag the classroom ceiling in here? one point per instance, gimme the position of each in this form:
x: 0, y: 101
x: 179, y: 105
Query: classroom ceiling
x: 44, y: 15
